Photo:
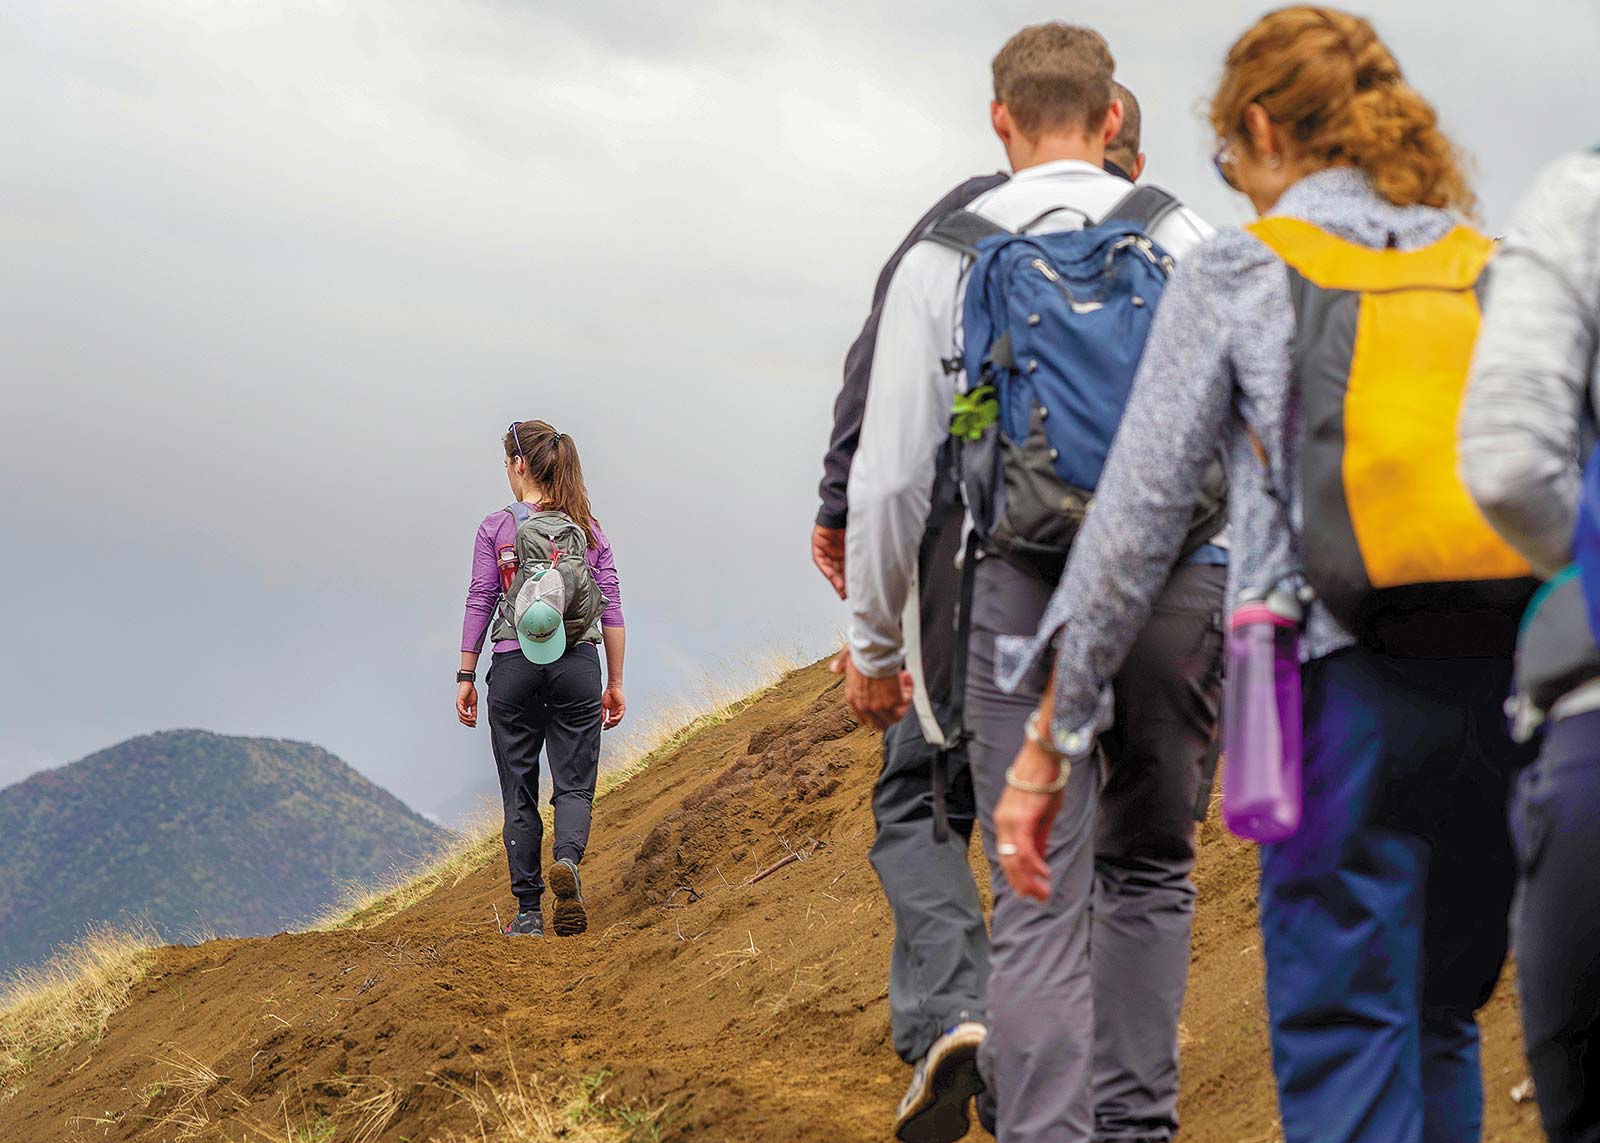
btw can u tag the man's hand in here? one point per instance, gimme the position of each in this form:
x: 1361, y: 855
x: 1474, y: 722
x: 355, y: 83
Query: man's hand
x: 876, y: 702
x: 827, y: 552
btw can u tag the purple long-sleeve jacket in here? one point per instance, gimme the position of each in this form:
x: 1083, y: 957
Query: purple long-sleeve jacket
x: 498, y: 529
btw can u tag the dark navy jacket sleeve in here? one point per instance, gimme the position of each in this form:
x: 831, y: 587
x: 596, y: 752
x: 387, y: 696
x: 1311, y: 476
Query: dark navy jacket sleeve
x: 851, y: 404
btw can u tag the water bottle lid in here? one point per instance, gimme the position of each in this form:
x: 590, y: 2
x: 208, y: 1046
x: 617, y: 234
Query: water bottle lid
x: 1282, y: 600
x: 1285, y: 604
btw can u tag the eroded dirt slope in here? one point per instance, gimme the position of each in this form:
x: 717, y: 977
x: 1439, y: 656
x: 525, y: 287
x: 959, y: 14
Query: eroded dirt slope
x: 753, y: 1012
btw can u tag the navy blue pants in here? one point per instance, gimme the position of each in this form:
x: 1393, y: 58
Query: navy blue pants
x: 1384, y: 918
x: 1556, y: 822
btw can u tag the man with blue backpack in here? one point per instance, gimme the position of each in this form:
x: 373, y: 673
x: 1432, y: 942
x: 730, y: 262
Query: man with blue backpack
x: 1008, y: 340
x: 939, y: 960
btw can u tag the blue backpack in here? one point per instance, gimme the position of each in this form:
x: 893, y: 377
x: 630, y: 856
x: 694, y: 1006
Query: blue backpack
x: 1054, y: 329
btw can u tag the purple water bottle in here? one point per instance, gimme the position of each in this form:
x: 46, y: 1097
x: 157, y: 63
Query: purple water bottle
x: 1261, y: 717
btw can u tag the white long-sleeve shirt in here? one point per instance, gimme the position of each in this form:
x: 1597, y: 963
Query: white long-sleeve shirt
x: 910, y: 397
x: 1536, y: 371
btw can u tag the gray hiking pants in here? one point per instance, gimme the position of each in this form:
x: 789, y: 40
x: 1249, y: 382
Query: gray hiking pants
x: 1086, y: 989
x: 939, y: 964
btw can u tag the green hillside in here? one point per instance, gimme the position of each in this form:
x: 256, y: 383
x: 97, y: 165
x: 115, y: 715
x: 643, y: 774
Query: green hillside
x: 193, y: 831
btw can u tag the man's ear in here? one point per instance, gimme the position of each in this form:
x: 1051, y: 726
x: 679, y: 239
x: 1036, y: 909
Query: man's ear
x: 1000, y: 119
x: 1138, y: 167
x: 1113, y: 123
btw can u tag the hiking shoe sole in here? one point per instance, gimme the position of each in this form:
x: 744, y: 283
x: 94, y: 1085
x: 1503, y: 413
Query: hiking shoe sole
x: 938, y: 1112
x: 568, y: 917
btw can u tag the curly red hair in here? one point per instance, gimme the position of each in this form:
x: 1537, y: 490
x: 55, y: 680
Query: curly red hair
x: 1326, y: 77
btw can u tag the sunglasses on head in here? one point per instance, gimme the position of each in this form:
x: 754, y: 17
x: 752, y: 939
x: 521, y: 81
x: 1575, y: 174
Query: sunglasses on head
x: 515, y: 438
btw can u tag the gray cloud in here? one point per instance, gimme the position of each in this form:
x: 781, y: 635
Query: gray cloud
x: 276, y: 277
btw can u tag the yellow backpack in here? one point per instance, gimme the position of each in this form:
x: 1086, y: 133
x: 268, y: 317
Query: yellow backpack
x: 1392, y: 543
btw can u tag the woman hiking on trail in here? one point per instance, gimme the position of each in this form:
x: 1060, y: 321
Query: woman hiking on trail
x: 545, y: 691
x: 1383, y: 914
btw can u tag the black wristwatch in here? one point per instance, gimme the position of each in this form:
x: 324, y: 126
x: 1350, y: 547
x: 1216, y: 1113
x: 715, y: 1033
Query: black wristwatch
x: 466, y: 676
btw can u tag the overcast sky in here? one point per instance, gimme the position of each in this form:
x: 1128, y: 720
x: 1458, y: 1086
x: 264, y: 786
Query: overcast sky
x: 276, y: 277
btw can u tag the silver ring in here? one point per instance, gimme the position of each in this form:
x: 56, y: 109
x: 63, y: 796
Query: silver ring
x: 1006, y: 849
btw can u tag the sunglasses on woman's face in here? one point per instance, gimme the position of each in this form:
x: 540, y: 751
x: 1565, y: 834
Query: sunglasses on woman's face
x: 1225, y: 163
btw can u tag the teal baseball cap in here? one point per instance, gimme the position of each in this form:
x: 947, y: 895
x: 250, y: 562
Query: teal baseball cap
x: 540, y: 612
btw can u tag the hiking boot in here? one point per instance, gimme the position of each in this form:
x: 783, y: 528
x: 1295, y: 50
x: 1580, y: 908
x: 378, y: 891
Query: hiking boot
x: 528, y: 923
x: 934, y: 1109
x: 568, y: 916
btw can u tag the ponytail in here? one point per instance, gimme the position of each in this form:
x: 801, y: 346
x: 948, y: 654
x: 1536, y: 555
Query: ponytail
x: 554, y: 465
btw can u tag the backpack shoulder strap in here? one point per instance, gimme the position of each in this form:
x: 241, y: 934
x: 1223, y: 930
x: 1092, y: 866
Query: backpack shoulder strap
x: 520, y: 513
x: 961, y: 230
x: 1145, y: 207
x: 1454, y: 262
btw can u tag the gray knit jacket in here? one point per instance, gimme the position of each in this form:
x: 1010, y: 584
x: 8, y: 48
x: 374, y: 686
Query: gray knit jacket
x: 1217, y: 363
x: 1524, y: 424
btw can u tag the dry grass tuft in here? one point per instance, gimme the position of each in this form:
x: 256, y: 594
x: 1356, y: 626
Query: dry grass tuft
x: 306, y: 1127
x: 363, y: 906
x: 373, y: 1101
x: 198, y: 1100
x: 190, y: 1083
x: 528, y: 1112
x: 735, y: 959
x: 719, y: 697
x: 69, y: 998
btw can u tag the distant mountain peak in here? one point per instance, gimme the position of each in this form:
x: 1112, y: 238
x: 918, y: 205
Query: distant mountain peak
x: 244, y: 835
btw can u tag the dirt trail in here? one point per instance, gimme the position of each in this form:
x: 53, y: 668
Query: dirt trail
x: 755, y: 1012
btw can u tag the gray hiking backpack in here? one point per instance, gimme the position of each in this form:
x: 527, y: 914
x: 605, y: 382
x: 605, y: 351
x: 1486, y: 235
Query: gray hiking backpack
x: 545, y: 540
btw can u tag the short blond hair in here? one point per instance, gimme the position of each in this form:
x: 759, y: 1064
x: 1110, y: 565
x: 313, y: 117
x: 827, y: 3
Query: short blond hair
x: 1054, y: 77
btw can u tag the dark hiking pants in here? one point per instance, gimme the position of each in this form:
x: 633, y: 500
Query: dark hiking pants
x: 1086, y: 988
x: 1555, y: 820
x: 939, y: 965
x: 556, y: 710
x: 1383, y: 918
